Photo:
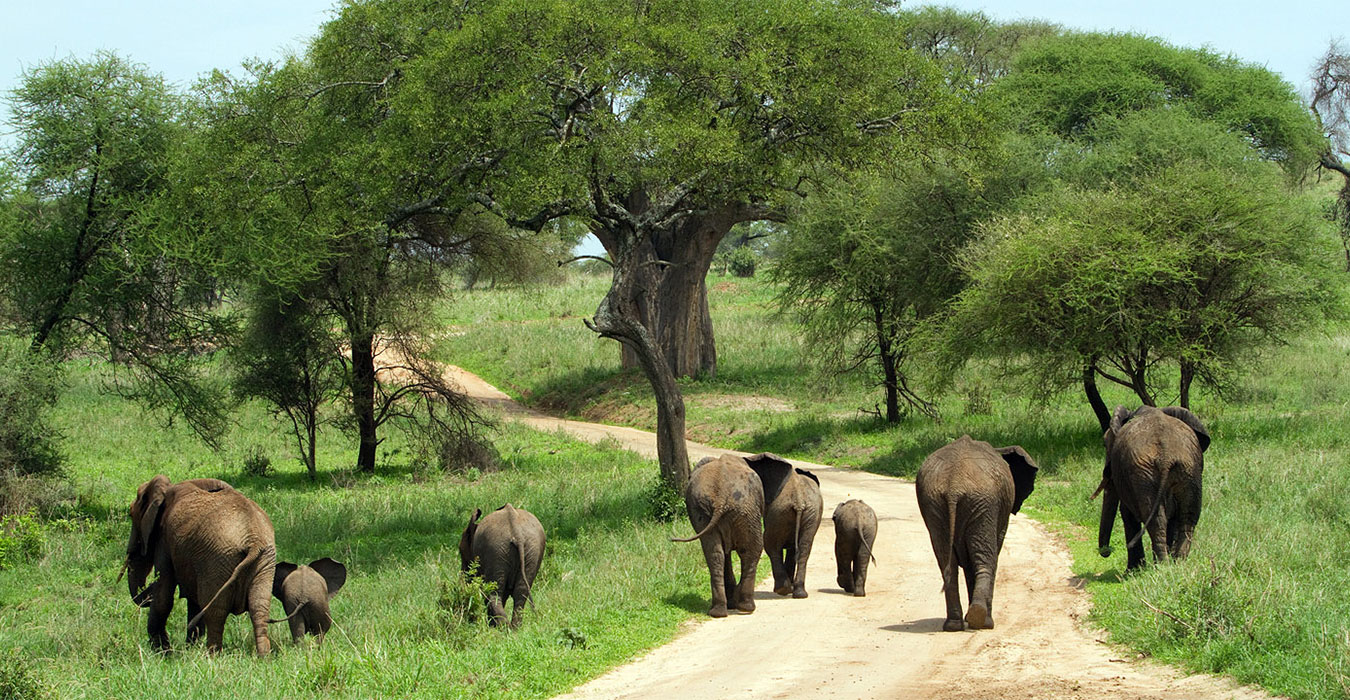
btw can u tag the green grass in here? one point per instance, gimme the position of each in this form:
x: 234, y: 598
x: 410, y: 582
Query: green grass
x: 1261, y: 597
x: 611, y: 584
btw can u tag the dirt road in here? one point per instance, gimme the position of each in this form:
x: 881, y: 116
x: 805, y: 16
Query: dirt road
x: 889, y: 644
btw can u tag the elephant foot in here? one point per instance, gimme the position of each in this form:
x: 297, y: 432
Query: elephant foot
x: 784, y: 589
x: 717, y: 611
x: 799, y: 593
x: 953, y: 626
x: 746, y: 606
x: 845, y: 584
x: 859, y: 593
x: 978, y: 618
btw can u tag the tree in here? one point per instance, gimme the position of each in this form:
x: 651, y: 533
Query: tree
x: 1330, y: 104
x: 1168, y: 243
x: 83, y: 269
x: 662, y: 125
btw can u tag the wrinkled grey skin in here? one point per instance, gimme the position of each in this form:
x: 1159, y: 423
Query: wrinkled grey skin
x: 855, y: 531
x: 1155, y: 458
x: 792, y: 511
x: 508, y: 545
x: 725, y: 501
x: 304, y: 592
x: 966, y: 492
x: 208, y: 541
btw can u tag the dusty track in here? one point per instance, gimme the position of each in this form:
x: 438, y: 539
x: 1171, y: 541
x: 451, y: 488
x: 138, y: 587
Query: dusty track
x: 889, y: 644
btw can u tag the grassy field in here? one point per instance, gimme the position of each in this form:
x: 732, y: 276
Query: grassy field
x: 611, y: 583
x: 1259, y: 599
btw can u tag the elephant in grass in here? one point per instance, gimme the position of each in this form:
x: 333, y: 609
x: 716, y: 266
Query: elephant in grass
x: 1155, y: 458
x: 855, y: 531
x: 208, y: 541
x: 304, y: 592
x: 725, y: 501
x: 792, y: 511
x: 508, y: 546
x: 966, y: 491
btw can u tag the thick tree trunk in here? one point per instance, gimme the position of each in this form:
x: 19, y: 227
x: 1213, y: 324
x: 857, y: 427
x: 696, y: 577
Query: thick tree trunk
x: 889, y: 371
x: 1187, y: 375
x: 311, y: 461
x: 1094, y: 397
x: 363, y: 400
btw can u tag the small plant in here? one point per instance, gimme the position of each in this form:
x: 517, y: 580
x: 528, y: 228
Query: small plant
x: 979, y: 401
x: 463, y: 599
x: 572, y: 638
x: 19, y: 677
x: 257, y: 463
x: 665, y: 502
x: 741, y: 262
x: 21, y: 539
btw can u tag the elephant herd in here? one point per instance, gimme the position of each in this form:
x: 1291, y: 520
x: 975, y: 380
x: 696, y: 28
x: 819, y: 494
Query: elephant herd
x: 215, y: 548
x: 966, y: 490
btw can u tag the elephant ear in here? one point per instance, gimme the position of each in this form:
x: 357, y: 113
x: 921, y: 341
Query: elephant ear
x: 1191, y: 420
x: 284, y: 569
x: 811, y: 476
x: 704, y: 461
x: 151, y: 502
x: 332, y: 571
x: 1023, y: 469
x: 1120, y: 418
x: 466, y: 540
x: 773, y: 472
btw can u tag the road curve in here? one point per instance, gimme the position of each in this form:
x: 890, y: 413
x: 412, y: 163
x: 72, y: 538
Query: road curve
x: 889, y: 644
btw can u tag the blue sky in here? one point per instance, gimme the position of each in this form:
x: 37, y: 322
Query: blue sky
x: 184, y: 38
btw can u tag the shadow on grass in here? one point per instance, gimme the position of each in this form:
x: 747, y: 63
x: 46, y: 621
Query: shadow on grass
x: 687, y: 601
x: 807, y: 433
x: 1049, y: 445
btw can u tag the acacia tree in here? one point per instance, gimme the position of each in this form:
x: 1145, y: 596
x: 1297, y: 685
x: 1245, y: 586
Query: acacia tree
x: 1330, y: 104
x: 94, y: 142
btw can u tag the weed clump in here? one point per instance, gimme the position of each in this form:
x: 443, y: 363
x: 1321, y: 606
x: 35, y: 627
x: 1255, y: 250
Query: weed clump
x: 19, y: 678
x: 664, y: 502
x: 257, y: 463
x: 22, y: 538
x: 462, y: 602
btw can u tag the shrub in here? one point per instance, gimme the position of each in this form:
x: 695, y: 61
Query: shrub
x: 665, y: 502
x: 257, y: 463
x: 741, y: 262
x: 29, y: 387
x: 21, y: 539
x: 461, y: 605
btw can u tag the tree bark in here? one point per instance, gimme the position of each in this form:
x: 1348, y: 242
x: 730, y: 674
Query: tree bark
x: 311, y: 461
x: 363, y: 400
x: 1187, y: 375
x: 1094, y: 397
x: 889, y: 372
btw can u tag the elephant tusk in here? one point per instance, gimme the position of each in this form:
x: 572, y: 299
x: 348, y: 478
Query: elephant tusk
x: 125, y: 564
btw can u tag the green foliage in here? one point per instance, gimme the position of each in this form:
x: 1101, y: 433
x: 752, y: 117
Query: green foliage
x: 29, y: 387
x: 256, y: 463
x: 741, y: 262
x: 462, y: 603
x: 22, y: 537
x: 20, y: 678
x: 664, y: 501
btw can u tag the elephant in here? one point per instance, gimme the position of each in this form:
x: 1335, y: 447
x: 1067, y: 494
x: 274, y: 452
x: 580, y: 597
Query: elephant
x: 208, y: 541
x: 792, y: 511
x: 855, y: 531
x: 1154, y: 461
x: 966, y: 490
x: 304, y: 592
x: 725, y: 502
x: 508, y: 546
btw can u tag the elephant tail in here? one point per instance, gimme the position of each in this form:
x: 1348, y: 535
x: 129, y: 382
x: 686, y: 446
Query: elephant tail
x: 949, y: 571
x: 1147, y: 516
x: 294, y: 612
x: 520, y: 561
x: 249, y: 560
x: 717, y: 516
x: 868, y: 547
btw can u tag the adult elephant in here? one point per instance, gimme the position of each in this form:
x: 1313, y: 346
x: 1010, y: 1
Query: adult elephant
x: 210, y: 541
x: 967, y: 490
x: 1155, y: 458
x: 725, y: 501
x: 508, y: 546
x: 792, y: 510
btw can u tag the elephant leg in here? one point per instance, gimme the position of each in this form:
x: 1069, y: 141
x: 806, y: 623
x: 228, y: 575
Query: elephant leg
x: 161, y: 604
x: 981, y: 561
x: 259, y: 608
x: 496, y: 607
x: 518, y: 599
x: 195, y: 632
x: 860, y: 562
x: 715, y: 556
x: 844, y: 562
x: 1187, y: 515
x: 802, y: 552
x: 936, y: 522
x: 952, y: 591
x: 729, y: 579
x: 1157, y: 535
x: 1134, y: 556
x: 745, y: 601
x: 781, y: 579
x: 298, y: 627
x: 215, y: 627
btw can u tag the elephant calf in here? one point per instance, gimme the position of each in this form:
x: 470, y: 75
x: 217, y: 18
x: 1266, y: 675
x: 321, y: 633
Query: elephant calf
x: 304, y: 592
x: 725, y: 500
x: 508, y: 545
x: 966, y: 492
x: 855, y: 530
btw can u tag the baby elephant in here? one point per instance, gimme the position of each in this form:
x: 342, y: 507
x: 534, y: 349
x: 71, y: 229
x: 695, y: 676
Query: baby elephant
x: 304, y: 592
x: 508, y: 545
x: 855, y: 529
x: 966, y: 492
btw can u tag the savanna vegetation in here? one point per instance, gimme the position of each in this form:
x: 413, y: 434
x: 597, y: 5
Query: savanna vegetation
x: 898, y: 225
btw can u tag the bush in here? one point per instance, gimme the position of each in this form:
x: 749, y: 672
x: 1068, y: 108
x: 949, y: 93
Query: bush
x: 21, y: 539
x: 462, y: 604
x: 741, y: 262
x: 665, y: 502
x: 29, y: 387
x: 257, y: 463
x: 19, y: 678
x: 48, y: 496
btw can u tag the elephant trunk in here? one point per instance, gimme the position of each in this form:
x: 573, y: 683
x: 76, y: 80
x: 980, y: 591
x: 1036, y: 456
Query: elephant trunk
x: 137, y: 570
x: 1110, y: 506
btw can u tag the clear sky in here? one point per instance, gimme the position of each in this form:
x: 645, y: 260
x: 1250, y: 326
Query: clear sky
x: 184, y: 38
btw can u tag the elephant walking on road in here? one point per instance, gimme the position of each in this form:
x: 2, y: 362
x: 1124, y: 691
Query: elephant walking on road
x: 212, y: 542
x: 725, y: 501
x: 792, y: 510
x: 855, y: 531
x: 966, y: 492
x: 508, y: 545
x: 1155, y: 458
